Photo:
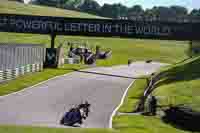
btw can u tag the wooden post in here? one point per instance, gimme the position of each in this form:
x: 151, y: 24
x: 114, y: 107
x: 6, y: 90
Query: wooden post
x: 195, y: 47
x: 53, y: 36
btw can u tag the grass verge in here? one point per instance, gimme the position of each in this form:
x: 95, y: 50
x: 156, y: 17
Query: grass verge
x: 142, y: 124
x: 34, y: 78
x: 180, y: 86
x: 134, y: 94
x: 122, y: 49
x: 23, y: 129
x: 138, y: 123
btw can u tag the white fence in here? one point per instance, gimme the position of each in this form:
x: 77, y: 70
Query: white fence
x: 18, y: 59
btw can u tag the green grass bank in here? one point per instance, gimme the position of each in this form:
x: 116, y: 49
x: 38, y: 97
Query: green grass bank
x: 180, y: 86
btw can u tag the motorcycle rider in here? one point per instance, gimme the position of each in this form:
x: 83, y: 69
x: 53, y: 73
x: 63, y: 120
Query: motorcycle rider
x: 76, y: 114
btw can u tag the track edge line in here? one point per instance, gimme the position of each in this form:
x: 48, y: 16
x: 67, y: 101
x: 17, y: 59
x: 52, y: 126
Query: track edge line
x: 117, y: 108
x: 27, y: 88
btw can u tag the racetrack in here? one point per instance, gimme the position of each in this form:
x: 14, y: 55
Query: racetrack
x: 44, y: 105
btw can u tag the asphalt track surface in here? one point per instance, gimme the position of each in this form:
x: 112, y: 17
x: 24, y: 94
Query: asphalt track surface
x: 44, y: 105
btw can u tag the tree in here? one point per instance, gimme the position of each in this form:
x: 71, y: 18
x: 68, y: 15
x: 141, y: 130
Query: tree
x: 150, y: 15
x: 136, y: 9
x: 52, y: 3
x: 122, y: 10
x: 179, y: 11
x: 162, y: 13
x: 73, y: 4
x: 135, y: 12
x: 114, y: 11
x: 18, y: 0
x: 195, y: 13
x: 106, y: 11
x: 90, y: 6
x: 173, y: 13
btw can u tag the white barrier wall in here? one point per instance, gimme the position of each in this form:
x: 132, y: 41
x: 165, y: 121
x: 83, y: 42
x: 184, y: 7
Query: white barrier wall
x: 18, y: 59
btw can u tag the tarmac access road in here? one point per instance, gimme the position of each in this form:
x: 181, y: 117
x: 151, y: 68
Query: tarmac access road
x: 45, y: 104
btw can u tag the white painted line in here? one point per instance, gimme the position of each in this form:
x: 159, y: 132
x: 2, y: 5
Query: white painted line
x: 117, y: 108
x: 25, y: 89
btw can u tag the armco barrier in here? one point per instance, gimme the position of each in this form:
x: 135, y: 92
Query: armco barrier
x: 41, y: 66
x: 27, y: 68
x: 1, y: 76
x: 72, y: 61
x: 37, y: 67
x: 33, y: 68
x: 12, y: 74
x: 19, y: 59
x: 17, y: 72
x: 22, y: 70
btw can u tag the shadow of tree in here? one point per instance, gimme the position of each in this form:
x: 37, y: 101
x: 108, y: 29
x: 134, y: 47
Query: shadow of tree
x: 182, y: 119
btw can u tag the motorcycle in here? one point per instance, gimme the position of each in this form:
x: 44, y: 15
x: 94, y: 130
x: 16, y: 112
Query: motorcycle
x: 76, y: 115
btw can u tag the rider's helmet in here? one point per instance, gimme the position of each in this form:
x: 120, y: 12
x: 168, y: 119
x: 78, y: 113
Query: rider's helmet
x: 87, y: 104
x: 73, y: 108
